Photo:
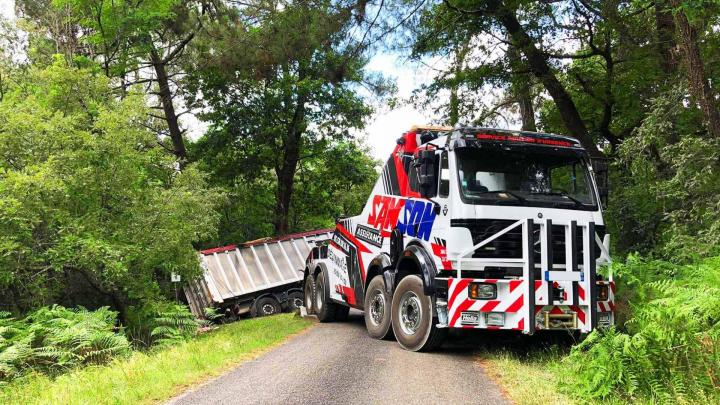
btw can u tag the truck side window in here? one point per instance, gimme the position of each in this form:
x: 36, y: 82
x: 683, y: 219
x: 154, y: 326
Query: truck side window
x: 444, y: 186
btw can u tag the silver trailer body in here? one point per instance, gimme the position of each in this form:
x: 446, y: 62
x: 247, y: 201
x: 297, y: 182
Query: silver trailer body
x: 247, y: 270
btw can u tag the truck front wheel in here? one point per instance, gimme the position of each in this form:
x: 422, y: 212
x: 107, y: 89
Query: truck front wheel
x: 412, y: 318
x: 377, y: 309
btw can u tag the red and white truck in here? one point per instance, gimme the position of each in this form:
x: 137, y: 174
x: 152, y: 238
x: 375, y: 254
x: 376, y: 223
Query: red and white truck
x: 470, y: 228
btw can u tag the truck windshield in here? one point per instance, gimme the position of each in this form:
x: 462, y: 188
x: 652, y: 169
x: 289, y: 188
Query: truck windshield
x: 520, y: 177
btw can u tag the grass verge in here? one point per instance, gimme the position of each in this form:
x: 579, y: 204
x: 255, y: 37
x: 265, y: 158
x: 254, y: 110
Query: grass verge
x: 160, y: 374
x: 527, y: 378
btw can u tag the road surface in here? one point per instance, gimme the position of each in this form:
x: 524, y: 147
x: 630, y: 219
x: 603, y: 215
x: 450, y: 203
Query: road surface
x: 338, y: 363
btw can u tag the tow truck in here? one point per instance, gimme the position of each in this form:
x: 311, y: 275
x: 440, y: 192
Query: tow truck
x: 471, y: 228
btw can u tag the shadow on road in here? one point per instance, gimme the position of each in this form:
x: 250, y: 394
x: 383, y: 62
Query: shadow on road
x: 472, y: 341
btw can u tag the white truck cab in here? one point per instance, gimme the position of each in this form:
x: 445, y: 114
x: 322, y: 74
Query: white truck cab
x: 470, y: 228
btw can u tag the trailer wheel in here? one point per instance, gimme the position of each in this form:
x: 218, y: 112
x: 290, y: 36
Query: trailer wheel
x: 412, y: 318
x: 295, y: 301
x: 325, y: 310
x: 309, y: 294
x: 266, y: 306
x: 377, y: 309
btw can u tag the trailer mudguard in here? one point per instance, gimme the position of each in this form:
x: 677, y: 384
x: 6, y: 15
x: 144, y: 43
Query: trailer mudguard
x: 420, y: 259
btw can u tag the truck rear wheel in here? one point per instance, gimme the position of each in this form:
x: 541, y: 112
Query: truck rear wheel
x: 326, y: 310
x: 377, y: 309
x: 309, y: 294
x: 412, y: 318
x: 266, y: 306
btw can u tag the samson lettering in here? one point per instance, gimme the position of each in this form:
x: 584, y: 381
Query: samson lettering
x: 417, y: 219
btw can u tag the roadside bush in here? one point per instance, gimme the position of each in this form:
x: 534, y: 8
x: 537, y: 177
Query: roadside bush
x: 54, y: 338
x: 668, y: 350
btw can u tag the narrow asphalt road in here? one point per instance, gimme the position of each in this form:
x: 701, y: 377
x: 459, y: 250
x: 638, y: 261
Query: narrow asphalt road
x: 338, y: 363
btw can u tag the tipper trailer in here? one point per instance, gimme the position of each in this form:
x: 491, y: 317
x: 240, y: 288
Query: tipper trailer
x: 470, y: 228
x: 256, y: 278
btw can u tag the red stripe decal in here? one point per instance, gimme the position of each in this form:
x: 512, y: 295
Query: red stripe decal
x: 402, y: 178
x: 580, y: 313
x: 612, y: 286
x: 464, y: 306
x: 461, y: 285
x: 538, y: 308
x: 516, y: 305
x: 581, y: 292
x: 489, y: 306
x: 514, y: 284
x: 538, y: 284
x: 556, y: 310
x: 520, y: 325
x: 349, y: 294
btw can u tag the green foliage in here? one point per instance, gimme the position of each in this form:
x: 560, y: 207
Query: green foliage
x: 52, y: 339
x: 667, y: 187
x: 174, y: 325
x: 668, y: 349
x: 85, y: 191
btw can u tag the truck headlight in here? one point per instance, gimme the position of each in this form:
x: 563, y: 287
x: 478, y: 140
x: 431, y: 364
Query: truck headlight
x: 494, y: 319
x: 482, y: 291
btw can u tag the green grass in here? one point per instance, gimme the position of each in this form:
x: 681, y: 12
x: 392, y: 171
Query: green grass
x: 526, y: 378
x: 148, y: 377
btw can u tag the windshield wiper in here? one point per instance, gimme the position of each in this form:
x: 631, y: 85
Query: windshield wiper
x: 510, y: 193
x: 577, y: 202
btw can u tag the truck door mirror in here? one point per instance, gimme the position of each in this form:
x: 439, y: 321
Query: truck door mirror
x: 426, y: 164
x: 600, y: 169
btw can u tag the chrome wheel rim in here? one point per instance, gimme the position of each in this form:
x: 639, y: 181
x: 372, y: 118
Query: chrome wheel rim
x: 319, y: 291
x: 268, y: 309
x: 377, y: 307
x: 410, y: 313
x: 296, y: 303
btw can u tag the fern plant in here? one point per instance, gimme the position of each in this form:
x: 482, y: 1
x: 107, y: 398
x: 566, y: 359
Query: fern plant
x: 54, y: 338
x: 175, y: 324
x: 668, y: 351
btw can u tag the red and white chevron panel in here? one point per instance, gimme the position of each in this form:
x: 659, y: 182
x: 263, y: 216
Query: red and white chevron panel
x: 510, y: 300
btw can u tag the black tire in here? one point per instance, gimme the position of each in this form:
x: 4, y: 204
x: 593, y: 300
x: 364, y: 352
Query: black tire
x: 412, y: 319
x: 309, y: 294
x: 325, y: 309
x: 295, y: 301
x: 266, y: 306
x: 377, y: 309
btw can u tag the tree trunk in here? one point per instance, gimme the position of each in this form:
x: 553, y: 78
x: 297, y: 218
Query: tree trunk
x: 695, y: 70
x: 521, y: 90
x: 166, y: 99
x: 454, y: 106
x: 665, y: 28
x: 538, y: 64
x: 285, y: 171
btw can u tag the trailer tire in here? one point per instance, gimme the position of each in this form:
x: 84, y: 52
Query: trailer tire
x: 295, y: 301
x: 377, y: 309
x: 412, y: 317
x: 309, y: 294
x: 325, y: 309
x: 266, y: 306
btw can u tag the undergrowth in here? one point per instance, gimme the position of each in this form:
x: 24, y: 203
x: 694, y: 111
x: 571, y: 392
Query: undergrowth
x: 667, y: 350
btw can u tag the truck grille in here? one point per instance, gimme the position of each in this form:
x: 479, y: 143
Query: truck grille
x: 510, y: 245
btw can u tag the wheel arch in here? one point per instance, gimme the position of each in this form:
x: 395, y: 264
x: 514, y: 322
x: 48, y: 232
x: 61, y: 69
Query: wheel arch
x: 376, y: 267
x: 415, y: 260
